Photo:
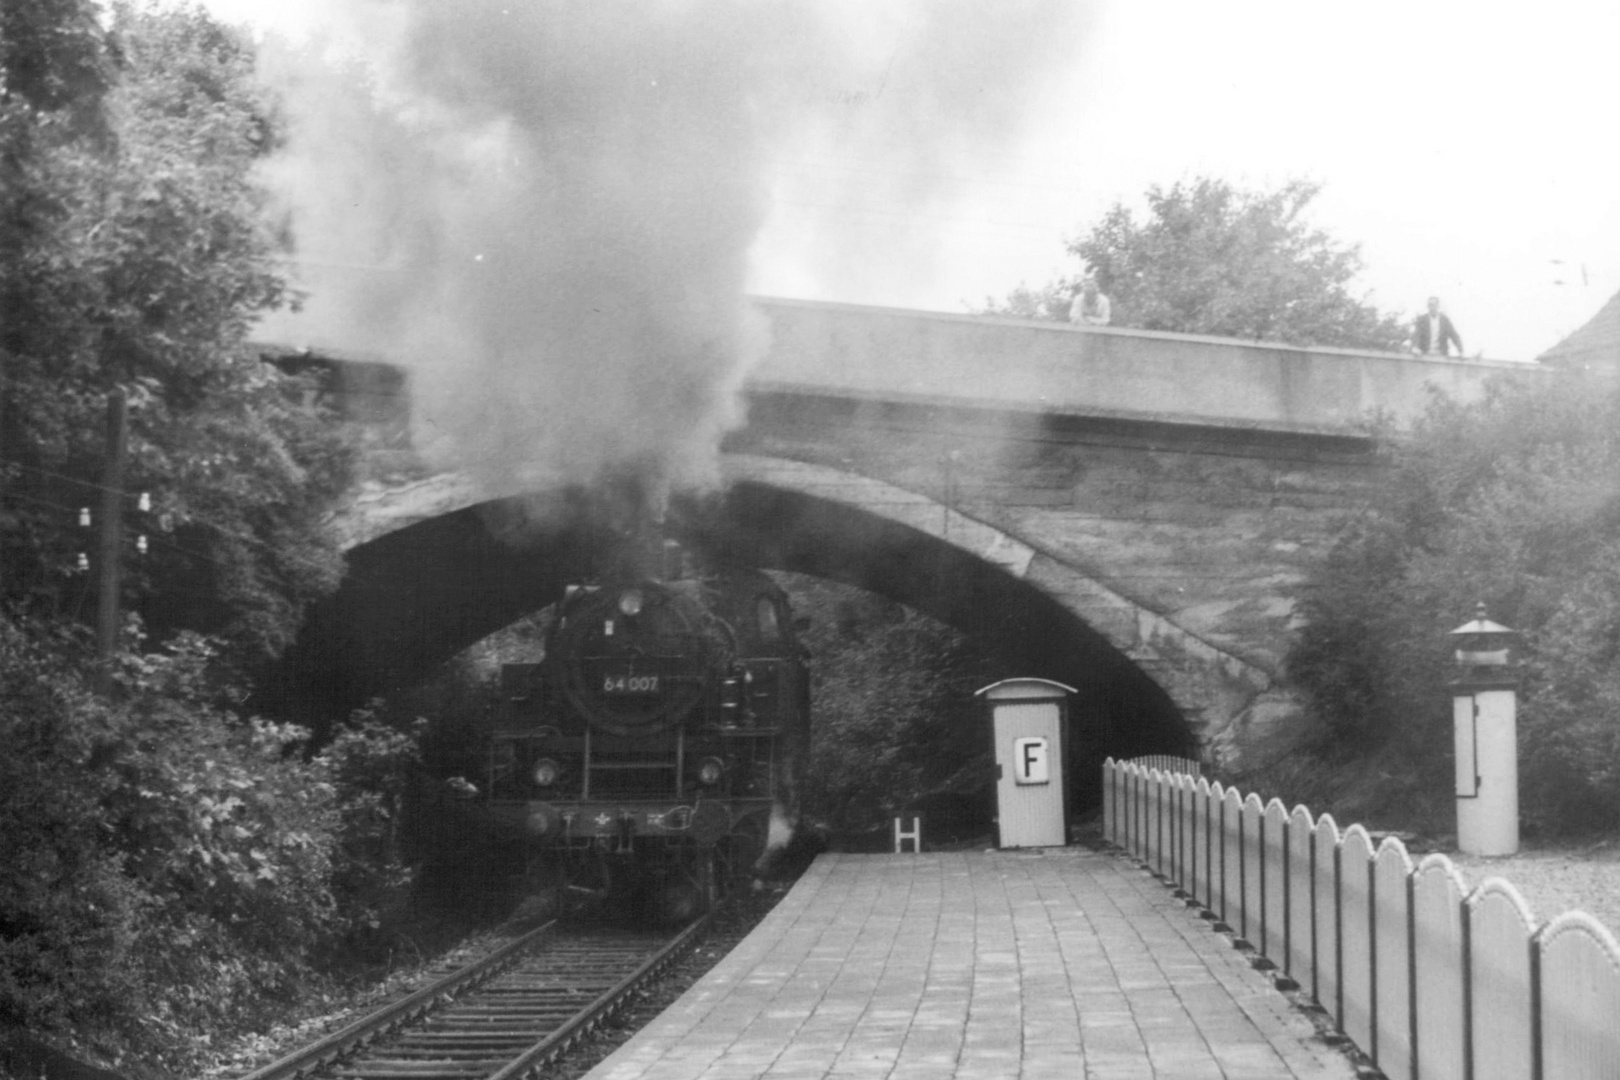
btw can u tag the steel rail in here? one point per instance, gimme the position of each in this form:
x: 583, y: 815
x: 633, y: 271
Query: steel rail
x: 526, y: 1065
x: 328, y: 1049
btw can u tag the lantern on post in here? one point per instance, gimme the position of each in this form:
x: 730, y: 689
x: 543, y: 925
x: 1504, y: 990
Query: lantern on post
x: 1485, y: 699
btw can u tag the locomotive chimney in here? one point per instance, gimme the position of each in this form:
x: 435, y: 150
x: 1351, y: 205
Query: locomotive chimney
x: 639, y: 510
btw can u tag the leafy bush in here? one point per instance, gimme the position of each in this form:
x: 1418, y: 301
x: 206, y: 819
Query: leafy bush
x: 370, y: 764
x: 68, y: 912
x: 892, y: 707
x: 1513, y: 502
x: 167, y: 866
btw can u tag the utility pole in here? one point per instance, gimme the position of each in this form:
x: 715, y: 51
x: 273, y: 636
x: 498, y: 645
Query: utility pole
x: 5, y: 460
x: 4, y: 484
x: 109, y: 563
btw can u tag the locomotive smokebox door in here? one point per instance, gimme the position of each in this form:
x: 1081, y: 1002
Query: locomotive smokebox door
x: 1028, y: 722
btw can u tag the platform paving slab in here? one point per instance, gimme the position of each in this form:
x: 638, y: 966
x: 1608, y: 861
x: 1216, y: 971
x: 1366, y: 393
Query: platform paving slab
x: 1025, y: 965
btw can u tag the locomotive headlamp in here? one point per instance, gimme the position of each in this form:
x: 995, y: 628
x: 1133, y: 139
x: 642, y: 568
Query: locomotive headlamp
x: 631, y: 602
x: 710, y: 771
x: 541, y: 819
x: 546, y: 772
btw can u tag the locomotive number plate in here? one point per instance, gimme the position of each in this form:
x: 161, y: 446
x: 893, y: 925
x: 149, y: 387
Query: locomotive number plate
x: 616, y: 683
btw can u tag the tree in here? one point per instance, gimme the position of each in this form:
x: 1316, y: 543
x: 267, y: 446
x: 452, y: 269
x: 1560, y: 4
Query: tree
x: 1212, y: 258
x: 55, y: 71
x: 893, y: 714
x: 140, y: 259
x: 166, y: 864
x: 1513, y: 502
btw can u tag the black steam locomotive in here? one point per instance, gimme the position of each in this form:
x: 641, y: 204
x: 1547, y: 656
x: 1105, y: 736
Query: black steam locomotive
x: 653, y: 749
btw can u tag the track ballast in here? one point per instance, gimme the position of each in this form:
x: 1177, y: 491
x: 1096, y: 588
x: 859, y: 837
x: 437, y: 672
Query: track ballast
x: 503, y: 1017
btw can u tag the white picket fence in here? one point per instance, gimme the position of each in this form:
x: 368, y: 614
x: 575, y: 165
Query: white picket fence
x: 1428, y: 977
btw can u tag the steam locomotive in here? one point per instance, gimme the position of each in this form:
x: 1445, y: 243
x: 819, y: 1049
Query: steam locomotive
x: 653, y: 749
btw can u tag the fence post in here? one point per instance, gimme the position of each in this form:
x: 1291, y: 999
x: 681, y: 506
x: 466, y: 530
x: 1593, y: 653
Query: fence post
x: 1329, y: 948
x: 1358, y: 960
x: 1187, y: 789
x: 1253, y: 869
x: 1232, y: 857
x: 1439, y: 978
x: 1274, y: 883
x: 1213, y: 802
x: 1392, y: 950
x: 1301, y: 947
x: 1580, y: 998
x: 1500, y: 981
x: 1133, y: 812
x: 1109, y: 814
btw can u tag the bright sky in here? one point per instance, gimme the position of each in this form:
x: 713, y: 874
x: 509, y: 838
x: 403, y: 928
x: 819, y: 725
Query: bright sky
x: 1469, y: 148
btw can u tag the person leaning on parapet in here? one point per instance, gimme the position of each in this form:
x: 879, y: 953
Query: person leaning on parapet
x: 1089, y: 307
x: 1433, y: 334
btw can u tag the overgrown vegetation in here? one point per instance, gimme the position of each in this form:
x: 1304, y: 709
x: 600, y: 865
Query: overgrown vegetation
x: 894, y: 717
x: 136, y: 248
x: 170, y: 867
x: 168, y: 864
x: 1513, y: 502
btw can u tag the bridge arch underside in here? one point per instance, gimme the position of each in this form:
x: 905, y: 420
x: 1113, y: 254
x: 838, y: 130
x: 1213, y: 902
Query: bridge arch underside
x: 416, y: 597
x: 1117, y: 709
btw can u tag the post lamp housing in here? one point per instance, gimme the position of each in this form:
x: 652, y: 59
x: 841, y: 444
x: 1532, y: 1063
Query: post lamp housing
x: 1484, y: 651
x: 1484, y: 694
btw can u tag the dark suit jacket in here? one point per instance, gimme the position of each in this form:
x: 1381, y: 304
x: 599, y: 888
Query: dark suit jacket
x: 1448, y: 335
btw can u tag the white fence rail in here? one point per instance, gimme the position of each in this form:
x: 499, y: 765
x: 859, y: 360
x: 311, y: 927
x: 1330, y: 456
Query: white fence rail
x: 1428, y: 977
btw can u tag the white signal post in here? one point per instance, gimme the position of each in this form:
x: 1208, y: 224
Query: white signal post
x: 1485, y: 702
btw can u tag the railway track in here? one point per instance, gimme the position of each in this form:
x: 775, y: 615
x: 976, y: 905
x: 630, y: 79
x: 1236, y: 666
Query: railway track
x: 503, y: 1017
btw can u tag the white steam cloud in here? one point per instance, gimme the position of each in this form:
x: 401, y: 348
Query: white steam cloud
x: 545, y: 207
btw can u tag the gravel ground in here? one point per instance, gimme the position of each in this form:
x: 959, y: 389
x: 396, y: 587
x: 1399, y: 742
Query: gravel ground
x: 1554, y: 880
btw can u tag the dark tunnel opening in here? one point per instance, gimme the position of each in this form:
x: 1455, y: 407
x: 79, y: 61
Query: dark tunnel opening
x: 415, y: 598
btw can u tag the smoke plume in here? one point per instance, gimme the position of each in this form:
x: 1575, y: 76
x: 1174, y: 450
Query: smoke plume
x: 546, y: 207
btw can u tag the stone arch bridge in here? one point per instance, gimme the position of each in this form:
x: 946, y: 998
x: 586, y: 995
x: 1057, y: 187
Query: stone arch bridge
x: 1131, y: 513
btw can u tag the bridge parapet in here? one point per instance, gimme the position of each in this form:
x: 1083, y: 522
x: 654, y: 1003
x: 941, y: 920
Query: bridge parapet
x: 1051, y: 367
x: 925, y: 357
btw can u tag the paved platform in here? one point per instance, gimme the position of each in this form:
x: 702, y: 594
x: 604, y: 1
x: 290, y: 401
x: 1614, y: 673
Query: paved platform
x: 1055, y: 963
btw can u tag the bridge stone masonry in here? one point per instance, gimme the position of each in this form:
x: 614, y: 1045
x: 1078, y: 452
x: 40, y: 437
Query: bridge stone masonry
x: 1132, y: 513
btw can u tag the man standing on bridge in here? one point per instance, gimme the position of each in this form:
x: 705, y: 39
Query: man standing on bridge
x: 1433, y: 334
x: 1089, y: 307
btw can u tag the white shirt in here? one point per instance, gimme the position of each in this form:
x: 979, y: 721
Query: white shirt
x: 1097, y: 313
